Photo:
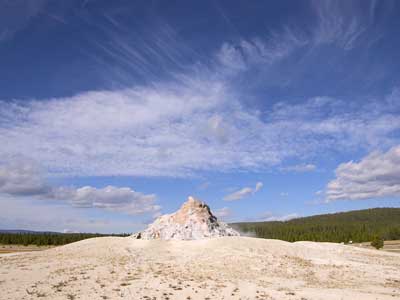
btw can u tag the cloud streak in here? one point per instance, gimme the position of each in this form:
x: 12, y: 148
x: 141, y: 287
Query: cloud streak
x: 338, y: 24
x: 223, y: 213
x: 247, y: 53
x: 16, y: 15
x: 299, y: 168
x: 345, y: 25
x: 244, y: 192
x: 270, y: 216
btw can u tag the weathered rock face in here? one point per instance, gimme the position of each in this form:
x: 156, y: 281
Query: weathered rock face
x: 192, y: 221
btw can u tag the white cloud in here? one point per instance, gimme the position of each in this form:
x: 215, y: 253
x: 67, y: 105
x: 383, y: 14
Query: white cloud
x: 203, y: 186
x: 171, y: 130
x: 23, y: 179
x: 231, y: 57
x: 244, y: 192
x: 219, y: 129
x: 376, y: 176
x: 326, y: 123
x: 269, y: 216
x: 299, y: 168
x: 121, y: 199
x: 69, y: 231
x: 222, y: 213
x: 25, y: 213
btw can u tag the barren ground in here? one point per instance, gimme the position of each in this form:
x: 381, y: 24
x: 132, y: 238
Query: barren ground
x: 221, y: 268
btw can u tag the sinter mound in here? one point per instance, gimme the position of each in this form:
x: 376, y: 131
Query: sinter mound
x: 193, y: 221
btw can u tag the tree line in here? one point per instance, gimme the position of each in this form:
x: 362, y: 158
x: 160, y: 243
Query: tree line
x: 48, y: 239
x: 356, y: 226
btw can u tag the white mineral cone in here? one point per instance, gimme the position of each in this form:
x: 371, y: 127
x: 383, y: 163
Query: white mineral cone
x: 192, y: 221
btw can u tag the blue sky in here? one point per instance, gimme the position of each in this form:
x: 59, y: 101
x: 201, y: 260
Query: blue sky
x: 114, y: 112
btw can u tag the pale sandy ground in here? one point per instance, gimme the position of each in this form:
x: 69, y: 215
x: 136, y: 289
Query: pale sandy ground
x: 221, y: 268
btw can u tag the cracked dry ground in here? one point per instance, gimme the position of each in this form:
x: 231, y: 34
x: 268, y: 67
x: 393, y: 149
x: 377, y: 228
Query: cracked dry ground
x: 221, y: 268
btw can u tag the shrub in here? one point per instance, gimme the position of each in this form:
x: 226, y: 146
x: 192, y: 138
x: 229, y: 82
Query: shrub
x: 377, y: 242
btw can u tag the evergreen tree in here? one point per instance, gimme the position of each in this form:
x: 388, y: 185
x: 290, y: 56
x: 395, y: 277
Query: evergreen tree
x: 357, y: 226
x: 377, y: 242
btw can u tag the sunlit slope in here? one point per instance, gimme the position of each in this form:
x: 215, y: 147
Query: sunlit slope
x: 219, y: 268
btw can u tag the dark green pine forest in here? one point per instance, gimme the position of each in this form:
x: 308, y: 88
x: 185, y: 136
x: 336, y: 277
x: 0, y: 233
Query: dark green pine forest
x: 47, y: 238
x: 356, y: 226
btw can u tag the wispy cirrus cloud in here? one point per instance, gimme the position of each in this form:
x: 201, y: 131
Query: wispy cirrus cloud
x: 337, y: 22
x: 244, y: 192
x: 16, y: 15
x: 377, y: 175
x: 245, y: 54
x: 345, y: 25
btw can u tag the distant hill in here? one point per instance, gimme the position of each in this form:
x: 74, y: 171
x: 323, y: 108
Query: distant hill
x: 356, y: 226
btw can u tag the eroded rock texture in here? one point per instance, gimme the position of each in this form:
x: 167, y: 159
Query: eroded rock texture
x: 192, y: 221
